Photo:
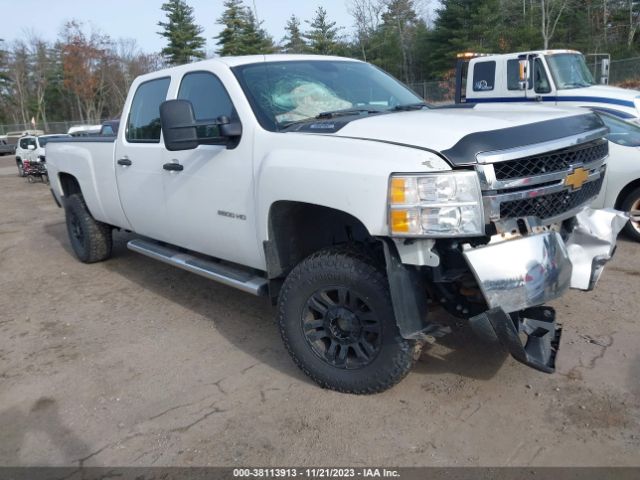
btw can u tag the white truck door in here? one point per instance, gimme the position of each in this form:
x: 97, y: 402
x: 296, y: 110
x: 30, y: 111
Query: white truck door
x: 209, y: 202
x: 139, y: 156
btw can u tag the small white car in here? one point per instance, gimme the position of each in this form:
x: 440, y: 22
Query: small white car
x: 30, y: 148
x: 621, y: 189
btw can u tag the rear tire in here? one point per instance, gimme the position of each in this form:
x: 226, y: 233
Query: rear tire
x: 631, y: 204
x: 91, y: 240
x: 337, y: 322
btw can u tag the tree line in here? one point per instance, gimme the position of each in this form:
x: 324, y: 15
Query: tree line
x: 85, y: 75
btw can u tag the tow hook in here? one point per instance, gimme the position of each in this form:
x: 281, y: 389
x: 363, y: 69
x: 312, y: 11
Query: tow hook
x: 539, y: 326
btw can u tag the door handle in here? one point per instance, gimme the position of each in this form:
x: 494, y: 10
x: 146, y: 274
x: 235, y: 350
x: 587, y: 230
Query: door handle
x: 125, y: 162
x: 173, y: 167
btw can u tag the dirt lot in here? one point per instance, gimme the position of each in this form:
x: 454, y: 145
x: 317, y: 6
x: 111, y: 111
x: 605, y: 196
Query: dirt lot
x: 132, y: 362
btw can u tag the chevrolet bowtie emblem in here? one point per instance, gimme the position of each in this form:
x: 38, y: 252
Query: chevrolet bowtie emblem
x: 577, y: 178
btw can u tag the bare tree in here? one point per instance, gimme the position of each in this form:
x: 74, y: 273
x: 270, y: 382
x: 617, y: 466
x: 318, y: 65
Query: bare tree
x: 19, y: 77
x: 634, y: 22
x: 367, y: 15
x: 85, y: 62
x: 552, y: 11
x: 40, y: 75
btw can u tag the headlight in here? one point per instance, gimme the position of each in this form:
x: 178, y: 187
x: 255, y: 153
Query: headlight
x: 436, y: 205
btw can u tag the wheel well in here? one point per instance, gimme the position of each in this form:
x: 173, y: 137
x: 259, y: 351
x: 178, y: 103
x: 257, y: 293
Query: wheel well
x: 18, y: 160
x: 297, y: 229
x: 69, y: 184
x: 626, y: 191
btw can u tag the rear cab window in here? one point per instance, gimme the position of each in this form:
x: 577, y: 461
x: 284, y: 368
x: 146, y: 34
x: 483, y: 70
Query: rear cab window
x: 143, y: 124
x: 484, y: 76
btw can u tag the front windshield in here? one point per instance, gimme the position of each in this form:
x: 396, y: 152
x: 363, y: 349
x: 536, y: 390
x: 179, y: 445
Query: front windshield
x: 569, y: 70
x: 44, y: 140
x: 283, y: 93
x: 623, y: 133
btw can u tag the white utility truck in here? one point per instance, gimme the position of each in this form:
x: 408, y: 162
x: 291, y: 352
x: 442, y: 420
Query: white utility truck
x: 330, y: 187
x: 555, y: 77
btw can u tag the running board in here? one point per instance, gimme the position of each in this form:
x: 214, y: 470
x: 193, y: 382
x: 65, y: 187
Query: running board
x: 244, y: 280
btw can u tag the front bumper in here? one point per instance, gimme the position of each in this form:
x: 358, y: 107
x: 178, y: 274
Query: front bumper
x: 517, y: 274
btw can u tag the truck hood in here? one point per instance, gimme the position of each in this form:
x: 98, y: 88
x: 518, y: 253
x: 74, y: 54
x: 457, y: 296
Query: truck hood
x: 460, y: 133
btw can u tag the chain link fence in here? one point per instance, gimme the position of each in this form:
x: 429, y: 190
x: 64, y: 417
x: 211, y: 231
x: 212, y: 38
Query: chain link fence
x: 436, y: 92
x: 624, y: 70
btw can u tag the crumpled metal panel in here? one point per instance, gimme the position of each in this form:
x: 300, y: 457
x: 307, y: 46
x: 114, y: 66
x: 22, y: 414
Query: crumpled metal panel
x: 592, y: 243
x: 521, y: 273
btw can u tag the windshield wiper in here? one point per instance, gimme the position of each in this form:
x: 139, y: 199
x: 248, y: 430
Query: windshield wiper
x: 346, y: 112
x: 409, y: 107
x: 331, y: 114
x: 576, y: 85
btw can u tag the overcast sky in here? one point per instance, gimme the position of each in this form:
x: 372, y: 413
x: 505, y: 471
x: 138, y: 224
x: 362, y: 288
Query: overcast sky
x: 138, y: 18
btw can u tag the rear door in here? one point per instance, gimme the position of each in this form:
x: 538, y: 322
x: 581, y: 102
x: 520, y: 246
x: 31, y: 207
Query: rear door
x: 139, y: 156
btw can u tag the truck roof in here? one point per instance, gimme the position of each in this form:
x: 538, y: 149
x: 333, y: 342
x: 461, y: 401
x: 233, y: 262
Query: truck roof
x: 246, y: 60
x: 528, y: 52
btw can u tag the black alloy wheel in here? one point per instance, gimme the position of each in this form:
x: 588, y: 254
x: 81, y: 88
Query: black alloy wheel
x: 341, y: 328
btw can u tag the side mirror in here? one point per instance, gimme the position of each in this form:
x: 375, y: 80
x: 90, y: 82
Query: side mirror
x: 606, y: 63
x: 524, y: 73
x: 178, y: 124
x: 179, y: 127
x: 31, y: 147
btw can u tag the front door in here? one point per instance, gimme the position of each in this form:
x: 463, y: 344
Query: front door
x: 139, y: 156
x: 209, y: 202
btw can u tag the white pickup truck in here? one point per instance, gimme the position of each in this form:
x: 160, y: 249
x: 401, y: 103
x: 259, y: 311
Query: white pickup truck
x: 327, y: 185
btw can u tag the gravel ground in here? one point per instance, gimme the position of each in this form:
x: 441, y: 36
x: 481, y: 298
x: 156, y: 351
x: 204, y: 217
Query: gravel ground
x: 132, y: 362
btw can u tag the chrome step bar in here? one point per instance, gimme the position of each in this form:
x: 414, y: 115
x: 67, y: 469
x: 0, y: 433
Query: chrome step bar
x: 244, y: 280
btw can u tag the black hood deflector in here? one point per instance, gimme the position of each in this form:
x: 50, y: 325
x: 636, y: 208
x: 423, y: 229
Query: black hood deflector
x: 464, y: 152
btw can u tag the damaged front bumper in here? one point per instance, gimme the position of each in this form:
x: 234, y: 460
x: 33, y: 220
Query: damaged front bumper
x: 516, y: 275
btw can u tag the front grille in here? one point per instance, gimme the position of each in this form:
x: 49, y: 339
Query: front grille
x: 551, y: 162
x: 552, y: 205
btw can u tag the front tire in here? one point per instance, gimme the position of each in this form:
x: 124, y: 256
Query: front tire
x: 20, y: 169
x: 91, y: 240
x: 631, y: 204
x: 337, y: 322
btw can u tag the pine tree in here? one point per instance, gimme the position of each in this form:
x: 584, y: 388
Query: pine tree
x: 255, y: 38
x: 242, y: 33
x: 323, y: 36
x: 293, y: 40
x: 181, y: 32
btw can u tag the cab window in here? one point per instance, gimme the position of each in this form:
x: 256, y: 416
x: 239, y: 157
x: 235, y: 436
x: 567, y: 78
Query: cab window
x: 540, y: 79
x: 143, y: 125
x: 210, y: 101
x: 484, y: 74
